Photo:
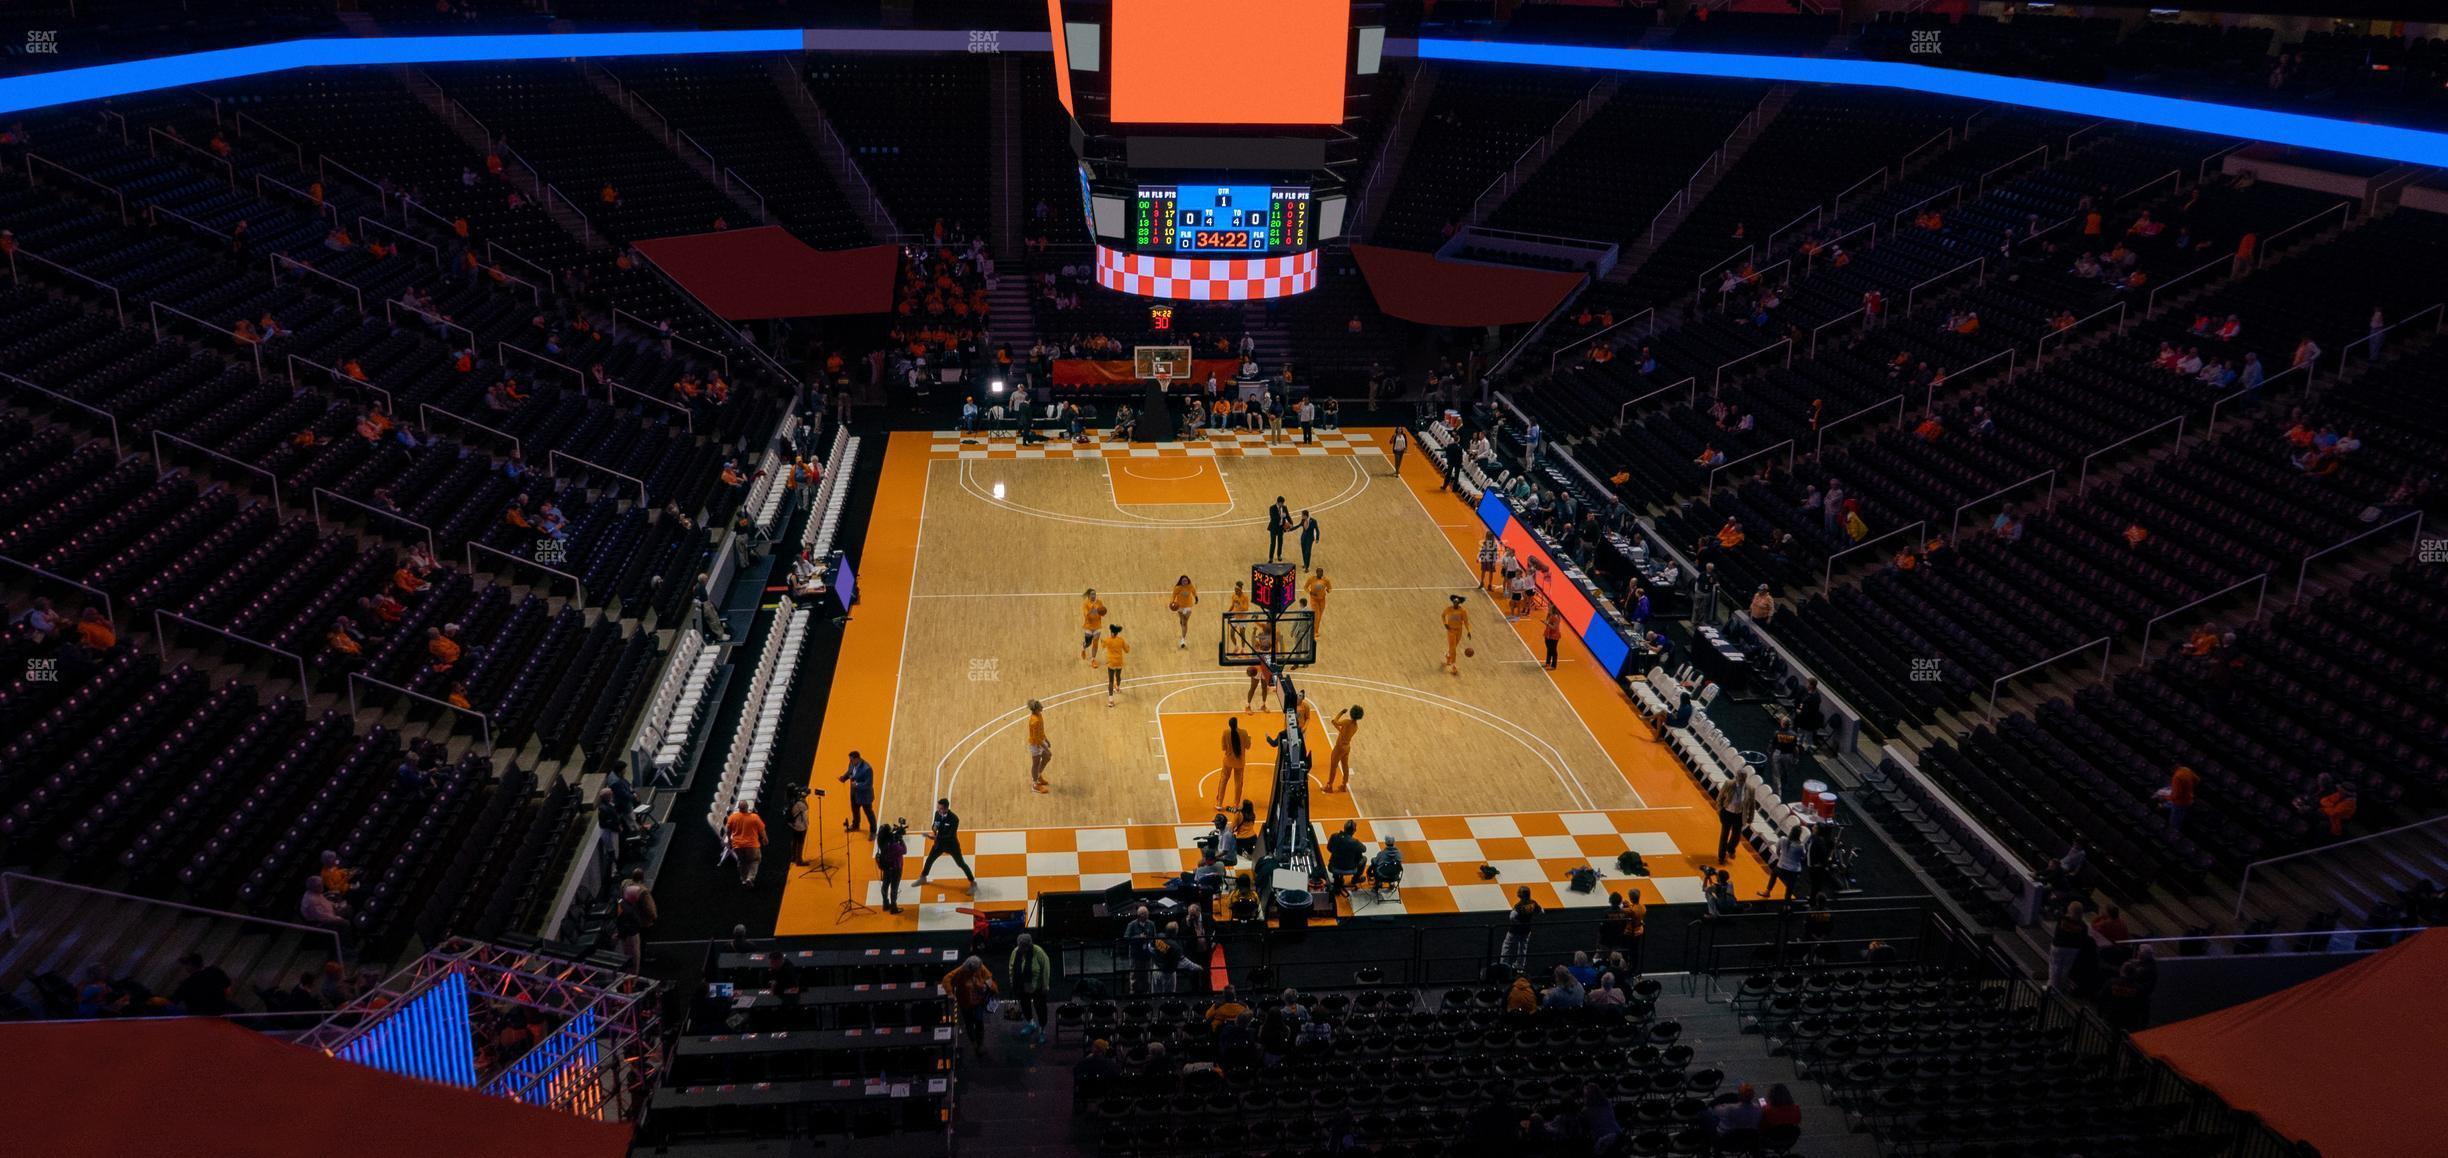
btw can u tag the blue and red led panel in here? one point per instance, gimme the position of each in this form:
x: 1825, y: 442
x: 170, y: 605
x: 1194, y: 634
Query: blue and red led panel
x: 1606, y: 644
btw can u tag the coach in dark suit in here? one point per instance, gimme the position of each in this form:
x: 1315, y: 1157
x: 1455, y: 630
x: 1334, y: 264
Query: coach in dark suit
x: 1279, y: 521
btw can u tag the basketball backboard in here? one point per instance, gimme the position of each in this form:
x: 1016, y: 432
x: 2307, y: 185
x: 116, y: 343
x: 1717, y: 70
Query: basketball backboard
x: 1290, y: 639
x: 1160, y: 363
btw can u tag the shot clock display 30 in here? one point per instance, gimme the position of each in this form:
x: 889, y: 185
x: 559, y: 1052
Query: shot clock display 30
x: 1220, y: 219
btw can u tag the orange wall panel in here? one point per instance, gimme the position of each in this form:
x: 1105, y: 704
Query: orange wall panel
x: 1229, y: 62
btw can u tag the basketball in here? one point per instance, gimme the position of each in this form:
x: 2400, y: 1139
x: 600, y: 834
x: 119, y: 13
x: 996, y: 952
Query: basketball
x: 1469, y: 651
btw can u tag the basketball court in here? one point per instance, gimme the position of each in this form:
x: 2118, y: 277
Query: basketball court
x: 972, y: 581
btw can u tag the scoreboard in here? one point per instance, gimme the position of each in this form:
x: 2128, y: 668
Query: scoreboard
x: 1228, y: 220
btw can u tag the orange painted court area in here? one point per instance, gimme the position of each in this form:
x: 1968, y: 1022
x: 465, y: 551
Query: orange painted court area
x: 1675, y: 828
x: 1168, y: 482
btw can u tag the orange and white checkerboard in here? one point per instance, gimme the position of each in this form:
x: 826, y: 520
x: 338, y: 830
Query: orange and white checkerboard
x: 1441, y: 859
x: 1242, y: 443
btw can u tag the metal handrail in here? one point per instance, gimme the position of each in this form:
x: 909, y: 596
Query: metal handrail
x: 1820, y: 443
x: 161, y: 643
x: 2174, y: 177
x: 1895, y: 220
x: 586, y: 227
x: 1649, y: 313
x: 391, y: 306
x: 1692, y: 381
x: 1827, y: 578
x: 279, y: 260
x: 553, y: 457
x: 2150, y: 303
x: 1944, y: 139
x: 483, y: 721
x: 2261, y: 253
x: 2082, y: 480
x: 1956, y: 531
x: 106, y: 416
x: 1981, y: 187
x: 118, y: 303
x: 1746, y: 253
x: 154, y: 137
x: 577, y: 585
x: 618, y: 314
x: 108, y: 611
x: 2244, y: 883
x: 1857, y: 311
x: 1787, y: 446
x: 341, y: 380
x: 2106, y: 644
x: 502, y: 351
x: 1815, y: 214
x: 1836, y: 204
x: 121, y: 197
x: 1679, y: 198
x: 2069, y: 141
x: 2211, y: 426
x: 764, y: 214
x: 687, y: 416
x: 713, y: 167
x: 497, y: 251
x: 2201, y: 172
x: 157, y: 308
x: 2152, y: 623
x: 369, y: 225
x: 324, y: 164
x: 155, y: 211
x: 325, y: 207
x: 1719, y: 384
x: 2040, y: 345
x: 1811, y: 258
x: 2364, y: 342
x: 8, y: 897
x: 161, y: 467
x: 1912, y: 294
x: 462, y: 110
x: 121, y: 117
x: 394, y: 516
x: 2304, y: 572
x: 638, y: 103
x: 1929, y: 398
x: 427, y: 410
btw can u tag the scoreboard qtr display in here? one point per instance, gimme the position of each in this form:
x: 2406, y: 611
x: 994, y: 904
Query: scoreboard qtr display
x: 1221, y: 219
x: 1271, y: 586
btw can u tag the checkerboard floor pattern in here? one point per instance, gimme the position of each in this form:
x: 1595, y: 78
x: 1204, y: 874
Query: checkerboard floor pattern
x: 1441, y: 858
x: 1242, y: 443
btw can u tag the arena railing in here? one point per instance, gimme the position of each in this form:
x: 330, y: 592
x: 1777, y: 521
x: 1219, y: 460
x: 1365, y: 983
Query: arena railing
x: 2211, y: 427
x: 428, y: 410
x: 577, y: 585
x: 338, y: 379
x: 1691, y: 380
x: 484, y: 723
x: 2369, y: 343
x: 1956, y: 530
x: 12, y: 885
x: 324, y: 165
x: 161, y: 466
x: 432, y: 253
x: 1820, y: 442
x: 2150, y: 302
x: 1810, y: 256
x: 154, y: 211
x: 121, y: 117
x: 1929, y: 397
x: 1719, y: 383
x: 1981, y: 276
x: 2077, y: 134
x: 162, y: 617
x: 1834, y: 321
x: 2173, y: 179
x: 109, y: 421
x: 2261, y: 255
x: 1941, y: 141
x: 2244, y: 883
x: 2303, y: 572
x: 326, y: 208
x: 1700, y: 283
x: 1980, y: 188
x: 392, y: 307
x: 1836, y: 204
x: 2201, y: 172
x: 98, y: 595
x: 1827, y: 578
x: 432, y: 545
x: 276, y: 261
x: 1787, y: 446
x: 1649, y: 313
x: 2259, y: 600
x: 158, y: 309
x: 2106, y: 644
x: 652, y: 330
x: 1895, y: 220
x: 498, y: 251
x: 154, y: 138
x: 553, y: 460
x: 2082, y: 479
x: 118, y: 303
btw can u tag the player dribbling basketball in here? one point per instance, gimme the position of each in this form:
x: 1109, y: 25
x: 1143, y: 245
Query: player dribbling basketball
x: 1092, y: 621
x: 1040, y: 752
x: 1185, y: 597
x: 1457, y: 627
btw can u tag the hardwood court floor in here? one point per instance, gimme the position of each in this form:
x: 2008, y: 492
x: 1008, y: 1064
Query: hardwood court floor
x: 971, y: 586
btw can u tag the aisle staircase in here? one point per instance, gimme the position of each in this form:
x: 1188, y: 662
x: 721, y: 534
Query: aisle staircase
x: 56, y: 930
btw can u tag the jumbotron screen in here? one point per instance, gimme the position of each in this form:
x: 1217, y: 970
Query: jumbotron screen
x: 1221, y: 219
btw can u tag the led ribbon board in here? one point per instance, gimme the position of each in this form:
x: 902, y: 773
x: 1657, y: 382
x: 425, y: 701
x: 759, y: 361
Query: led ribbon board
x: 2388, y: 142
x: 1605, y: 643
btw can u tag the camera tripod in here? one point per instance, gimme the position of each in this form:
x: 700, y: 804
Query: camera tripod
x: 819, y: 867
x: 852, y: 900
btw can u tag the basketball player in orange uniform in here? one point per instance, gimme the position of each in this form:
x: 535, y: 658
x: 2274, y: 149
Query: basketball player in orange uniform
x: 1092, y: 621
x: 1319, y: 586
x: 1338, y: 763
x: 1040, y: 752
x: 1185, y: 597
x: 1261, y: 681
x: 1236, y: 761
x: 1457, y: 628
x: 1240, y: 599
x: 1115, y: 648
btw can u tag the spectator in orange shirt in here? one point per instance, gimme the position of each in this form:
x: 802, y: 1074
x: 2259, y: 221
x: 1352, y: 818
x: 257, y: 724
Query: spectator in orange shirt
x: 2135, y: 535
x: 746, y: 831
x: 1730, y: 535
x: 458, y: 697
x: 2183, y: 783
x: 443, y: 650
x: 94, y: 631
